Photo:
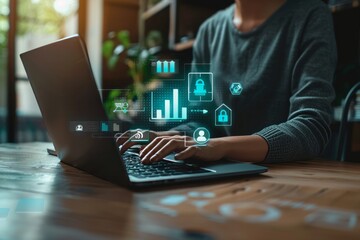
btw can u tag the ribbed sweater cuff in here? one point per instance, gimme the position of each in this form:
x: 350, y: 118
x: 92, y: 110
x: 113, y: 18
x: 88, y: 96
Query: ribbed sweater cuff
x: 282, y: 147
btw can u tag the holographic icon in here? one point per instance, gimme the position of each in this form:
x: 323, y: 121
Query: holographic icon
x: 79, y: 128
x: 104, y: 127
x: 200, y: 87
x: 139, y: 135
x: 165, y: 66
x: 116, y: 127
x: 121, y: 107
x: 203, y: 111
x: 201, y: 136
x: 223, y: 116
x: 236, y: 88
x: 159, y: 115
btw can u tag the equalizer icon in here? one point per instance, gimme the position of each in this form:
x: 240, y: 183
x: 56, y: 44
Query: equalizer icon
x: 165, y: 66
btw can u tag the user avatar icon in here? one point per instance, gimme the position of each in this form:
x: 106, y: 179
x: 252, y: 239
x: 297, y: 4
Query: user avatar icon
x: 79, y: 128
x: 201, y: 136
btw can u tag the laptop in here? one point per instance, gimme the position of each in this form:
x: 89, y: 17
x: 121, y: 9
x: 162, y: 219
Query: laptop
x: 61, y: 77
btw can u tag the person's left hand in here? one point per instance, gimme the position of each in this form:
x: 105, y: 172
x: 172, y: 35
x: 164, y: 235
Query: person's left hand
x: 185, y: 147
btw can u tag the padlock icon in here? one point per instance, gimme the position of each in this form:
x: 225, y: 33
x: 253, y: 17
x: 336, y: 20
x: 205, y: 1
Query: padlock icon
x: 223, y: 117
x: 200, y: 88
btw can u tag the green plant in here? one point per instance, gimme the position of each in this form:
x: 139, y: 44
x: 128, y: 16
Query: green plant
x: 138, y: 60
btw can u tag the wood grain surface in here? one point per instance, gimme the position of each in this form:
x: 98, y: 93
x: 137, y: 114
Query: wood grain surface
x: 41, y: 198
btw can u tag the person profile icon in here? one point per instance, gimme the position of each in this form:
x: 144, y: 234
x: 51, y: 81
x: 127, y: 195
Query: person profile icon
x: 201, y: 137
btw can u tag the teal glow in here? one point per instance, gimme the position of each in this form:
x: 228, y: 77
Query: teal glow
x: 4, y: 212
x: 171, y: 111
x: 30, y: 205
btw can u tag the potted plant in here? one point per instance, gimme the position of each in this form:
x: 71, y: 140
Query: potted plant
x: 138, y: 60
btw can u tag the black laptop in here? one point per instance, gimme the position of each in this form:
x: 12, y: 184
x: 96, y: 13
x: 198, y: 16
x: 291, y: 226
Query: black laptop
x: 61, y: 78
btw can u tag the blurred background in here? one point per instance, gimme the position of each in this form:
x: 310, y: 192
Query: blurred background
x: 122, y: 34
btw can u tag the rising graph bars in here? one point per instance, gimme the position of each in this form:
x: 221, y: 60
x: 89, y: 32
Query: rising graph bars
x: 165, y: 67
x: 166, y: 116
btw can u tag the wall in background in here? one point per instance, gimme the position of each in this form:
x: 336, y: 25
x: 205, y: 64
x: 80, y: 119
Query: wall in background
x: 93, y: 38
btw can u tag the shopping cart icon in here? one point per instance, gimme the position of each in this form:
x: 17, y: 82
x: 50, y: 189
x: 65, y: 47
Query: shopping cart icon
x: 121, y: 107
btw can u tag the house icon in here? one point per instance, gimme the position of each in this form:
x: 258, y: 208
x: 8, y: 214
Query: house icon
x: 223, y: 116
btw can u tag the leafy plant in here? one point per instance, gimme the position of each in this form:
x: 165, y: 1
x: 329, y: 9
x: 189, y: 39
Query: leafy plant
x: 138, y: 60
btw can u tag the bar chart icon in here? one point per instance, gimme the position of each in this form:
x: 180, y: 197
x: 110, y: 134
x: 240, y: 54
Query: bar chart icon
x: 165, y: 66
x: 165, y: 114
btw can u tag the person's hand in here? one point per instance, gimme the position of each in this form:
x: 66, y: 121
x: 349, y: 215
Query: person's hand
x: 185, y: 148
x: 124, y: 141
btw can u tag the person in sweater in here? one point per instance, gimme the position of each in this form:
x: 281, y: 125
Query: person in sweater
x: 283, y: 52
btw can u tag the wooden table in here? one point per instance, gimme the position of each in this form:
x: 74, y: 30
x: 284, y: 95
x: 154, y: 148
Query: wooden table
x: 40, y: 198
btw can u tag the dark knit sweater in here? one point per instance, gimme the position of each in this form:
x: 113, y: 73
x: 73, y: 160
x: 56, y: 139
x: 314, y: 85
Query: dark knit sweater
x: 286, y: 68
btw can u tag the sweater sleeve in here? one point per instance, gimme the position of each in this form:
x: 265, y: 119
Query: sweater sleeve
x: 306, y: 132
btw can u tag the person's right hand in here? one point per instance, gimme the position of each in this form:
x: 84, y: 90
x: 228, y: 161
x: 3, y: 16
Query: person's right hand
x: 124, y: 140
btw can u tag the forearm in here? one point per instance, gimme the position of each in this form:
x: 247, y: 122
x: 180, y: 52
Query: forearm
x: 168, y: 133
x: 252, y: 148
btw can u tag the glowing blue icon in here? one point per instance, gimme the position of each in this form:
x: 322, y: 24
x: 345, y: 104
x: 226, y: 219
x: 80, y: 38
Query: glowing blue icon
x: 172, y: 66
x: 200, y: 88
x: 158, y: 114
x: 139, y: 135
x: 4, y: 212
x: 158, y: 66
x: 165, y: 66
x: 121, y: 106
x: 116, y: 127
x: 203, y: 111
x: 236, y: 88
x: 223, y: 116
x: 104, y: 127
x: 201, y: 136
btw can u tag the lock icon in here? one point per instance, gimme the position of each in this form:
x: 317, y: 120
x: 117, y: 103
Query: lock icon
x: 223, y: 117
x: 200, y: 88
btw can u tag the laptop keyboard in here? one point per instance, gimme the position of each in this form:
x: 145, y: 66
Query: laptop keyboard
x: 135, y: 168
